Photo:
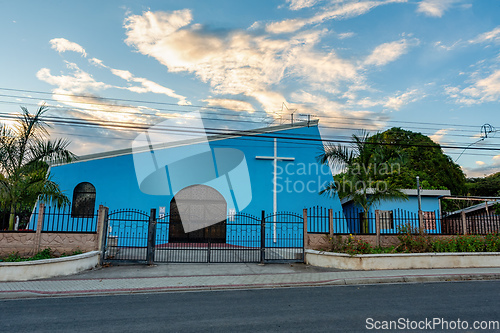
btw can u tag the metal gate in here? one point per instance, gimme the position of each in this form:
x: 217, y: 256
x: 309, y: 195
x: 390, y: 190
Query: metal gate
x: 284, y: 237
x: 134, y: 235
x: 127, y: 235
x: 240, y: 244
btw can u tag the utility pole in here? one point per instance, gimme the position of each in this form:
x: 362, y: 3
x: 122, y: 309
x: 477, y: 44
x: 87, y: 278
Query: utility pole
x: 420, y: 224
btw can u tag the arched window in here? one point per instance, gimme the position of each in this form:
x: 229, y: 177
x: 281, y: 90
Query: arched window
x: 83, y: 200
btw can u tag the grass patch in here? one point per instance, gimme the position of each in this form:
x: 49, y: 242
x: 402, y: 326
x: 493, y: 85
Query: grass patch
x: 43, y: 254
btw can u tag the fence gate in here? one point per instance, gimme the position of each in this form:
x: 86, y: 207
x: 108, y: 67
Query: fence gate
x: 237, y: 239
x: 134, y: 235
x: 284, y: 237
x: 127, y: 235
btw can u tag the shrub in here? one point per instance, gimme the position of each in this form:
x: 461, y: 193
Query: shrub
x: 413, y: 241
x: 350, y: 245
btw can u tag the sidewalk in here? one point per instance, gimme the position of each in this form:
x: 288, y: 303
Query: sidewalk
x: 193, y: 277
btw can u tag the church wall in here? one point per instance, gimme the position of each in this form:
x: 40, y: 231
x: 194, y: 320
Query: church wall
x: 298, y: 181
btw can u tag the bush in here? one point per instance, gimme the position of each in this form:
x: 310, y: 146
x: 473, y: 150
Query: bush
x: 413, y: 241
x: 351, y: 245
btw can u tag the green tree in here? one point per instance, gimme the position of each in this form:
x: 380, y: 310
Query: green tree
x: 24, y: 153
x: 488, y: 186
x: 362, y: 163
x: 419, y: 156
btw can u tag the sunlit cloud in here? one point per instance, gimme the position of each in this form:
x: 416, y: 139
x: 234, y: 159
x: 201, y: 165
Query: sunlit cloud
x: 435, y: 8
x: 387, y: 52
x: 480, y: 91
x: 338, y: 11
x: 398, y: 101
x: 63, y: 45
x: 230, y: 104
x: 78, y: 83
x: 489, y: 36
x: 300, y: 4
x: 394, y: 102
x: 236, y: 62
x: 440, y: 134
x: 345, y: 35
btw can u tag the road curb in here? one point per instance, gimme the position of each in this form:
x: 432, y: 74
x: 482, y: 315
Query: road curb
x: 13, y: 294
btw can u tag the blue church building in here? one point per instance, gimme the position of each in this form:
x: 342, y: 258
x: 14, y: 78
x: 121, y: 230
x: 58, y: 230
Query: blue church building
x: 203, y: 177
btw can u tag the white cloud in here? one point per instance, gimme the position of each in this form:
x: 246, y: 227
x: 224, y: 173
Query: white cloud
x: 489, y: 36
x: 345, y: 35
x: 398, y: 101
x: 96, y: 62
x: 63, y: 45
x: 482, y: 90
x: 387, y: 52
x: 230, y: 104
x: 300, y: 4
x: 236, y: 62
x: 394, y: 102
x: 435, y: 8
x: 78, y: 83
x: 439, y: 135
x: 339, y: 11
x: 484, y: 168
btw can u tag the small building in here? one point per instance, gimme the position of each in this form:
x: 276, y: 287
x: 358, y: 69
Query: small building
x: 396, y: 213
x: 477, y: 219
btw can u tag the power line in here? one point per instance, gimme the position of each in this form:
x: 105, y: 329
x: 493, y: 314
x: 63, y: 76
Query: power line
x: 231, y: 133
x: 193, y: 106
x: 232, y: 120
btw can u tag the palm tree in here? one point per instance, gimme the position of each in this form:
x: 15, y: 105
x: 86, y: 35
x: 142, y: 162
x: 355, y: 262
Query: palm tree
x: 25, y: 153
x: 361, y: 179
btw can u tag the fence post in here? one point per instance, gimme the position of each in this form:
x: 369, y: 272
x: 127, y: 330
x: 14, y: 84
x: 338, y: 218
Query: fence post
x: 150, y: 256
x: 263, y: 238
x: 39, y: 226
x: 330, y: 222
x: 464, y: 223
x: 306, y: 236
x: 102, y: 231
x: 377, y: 227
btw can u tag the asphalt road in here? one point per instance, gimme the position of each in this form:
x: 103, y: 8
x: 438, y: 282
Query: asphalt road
x: 311, y: 309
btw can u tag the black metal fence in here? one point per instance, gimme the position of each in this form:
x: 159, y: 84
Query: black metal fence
x: 55, y: 219
x: 62, y: 220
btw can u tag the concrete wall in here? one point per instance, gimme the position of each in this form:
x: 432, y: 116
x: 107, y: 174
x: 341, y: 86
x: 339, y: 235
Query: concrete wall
x: 22, y: 242
x: 402, y: 260
x: 40, y: 269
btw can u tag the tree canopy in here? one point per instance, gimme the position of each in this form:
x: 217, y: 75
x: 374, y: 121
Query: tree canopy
x: 361, y: 161
x: 488, y: 186
x: 418, y: 155
x: 25, y: 152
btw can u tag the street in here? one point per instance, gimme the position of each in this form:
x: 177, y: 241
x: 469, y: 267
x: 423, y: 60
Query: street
x: 307, y: 309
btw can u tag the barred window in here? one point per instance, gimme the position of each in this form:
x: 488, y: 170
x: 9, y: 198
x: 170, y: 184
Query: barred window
x: 83, y: 200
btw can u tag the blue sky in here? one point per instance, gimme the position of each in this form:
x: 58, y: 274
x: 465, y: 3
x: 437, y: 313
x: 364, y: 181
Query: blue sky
x: 431, y: 66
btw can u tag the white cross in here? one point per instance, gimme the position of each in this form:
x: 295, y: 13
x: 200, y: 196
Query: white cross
x: 275, y: 159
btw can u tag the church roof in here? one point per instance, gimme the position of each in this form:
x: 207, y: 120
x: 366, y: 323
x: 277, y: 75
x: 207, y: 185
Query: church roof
x: 215, y: 137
